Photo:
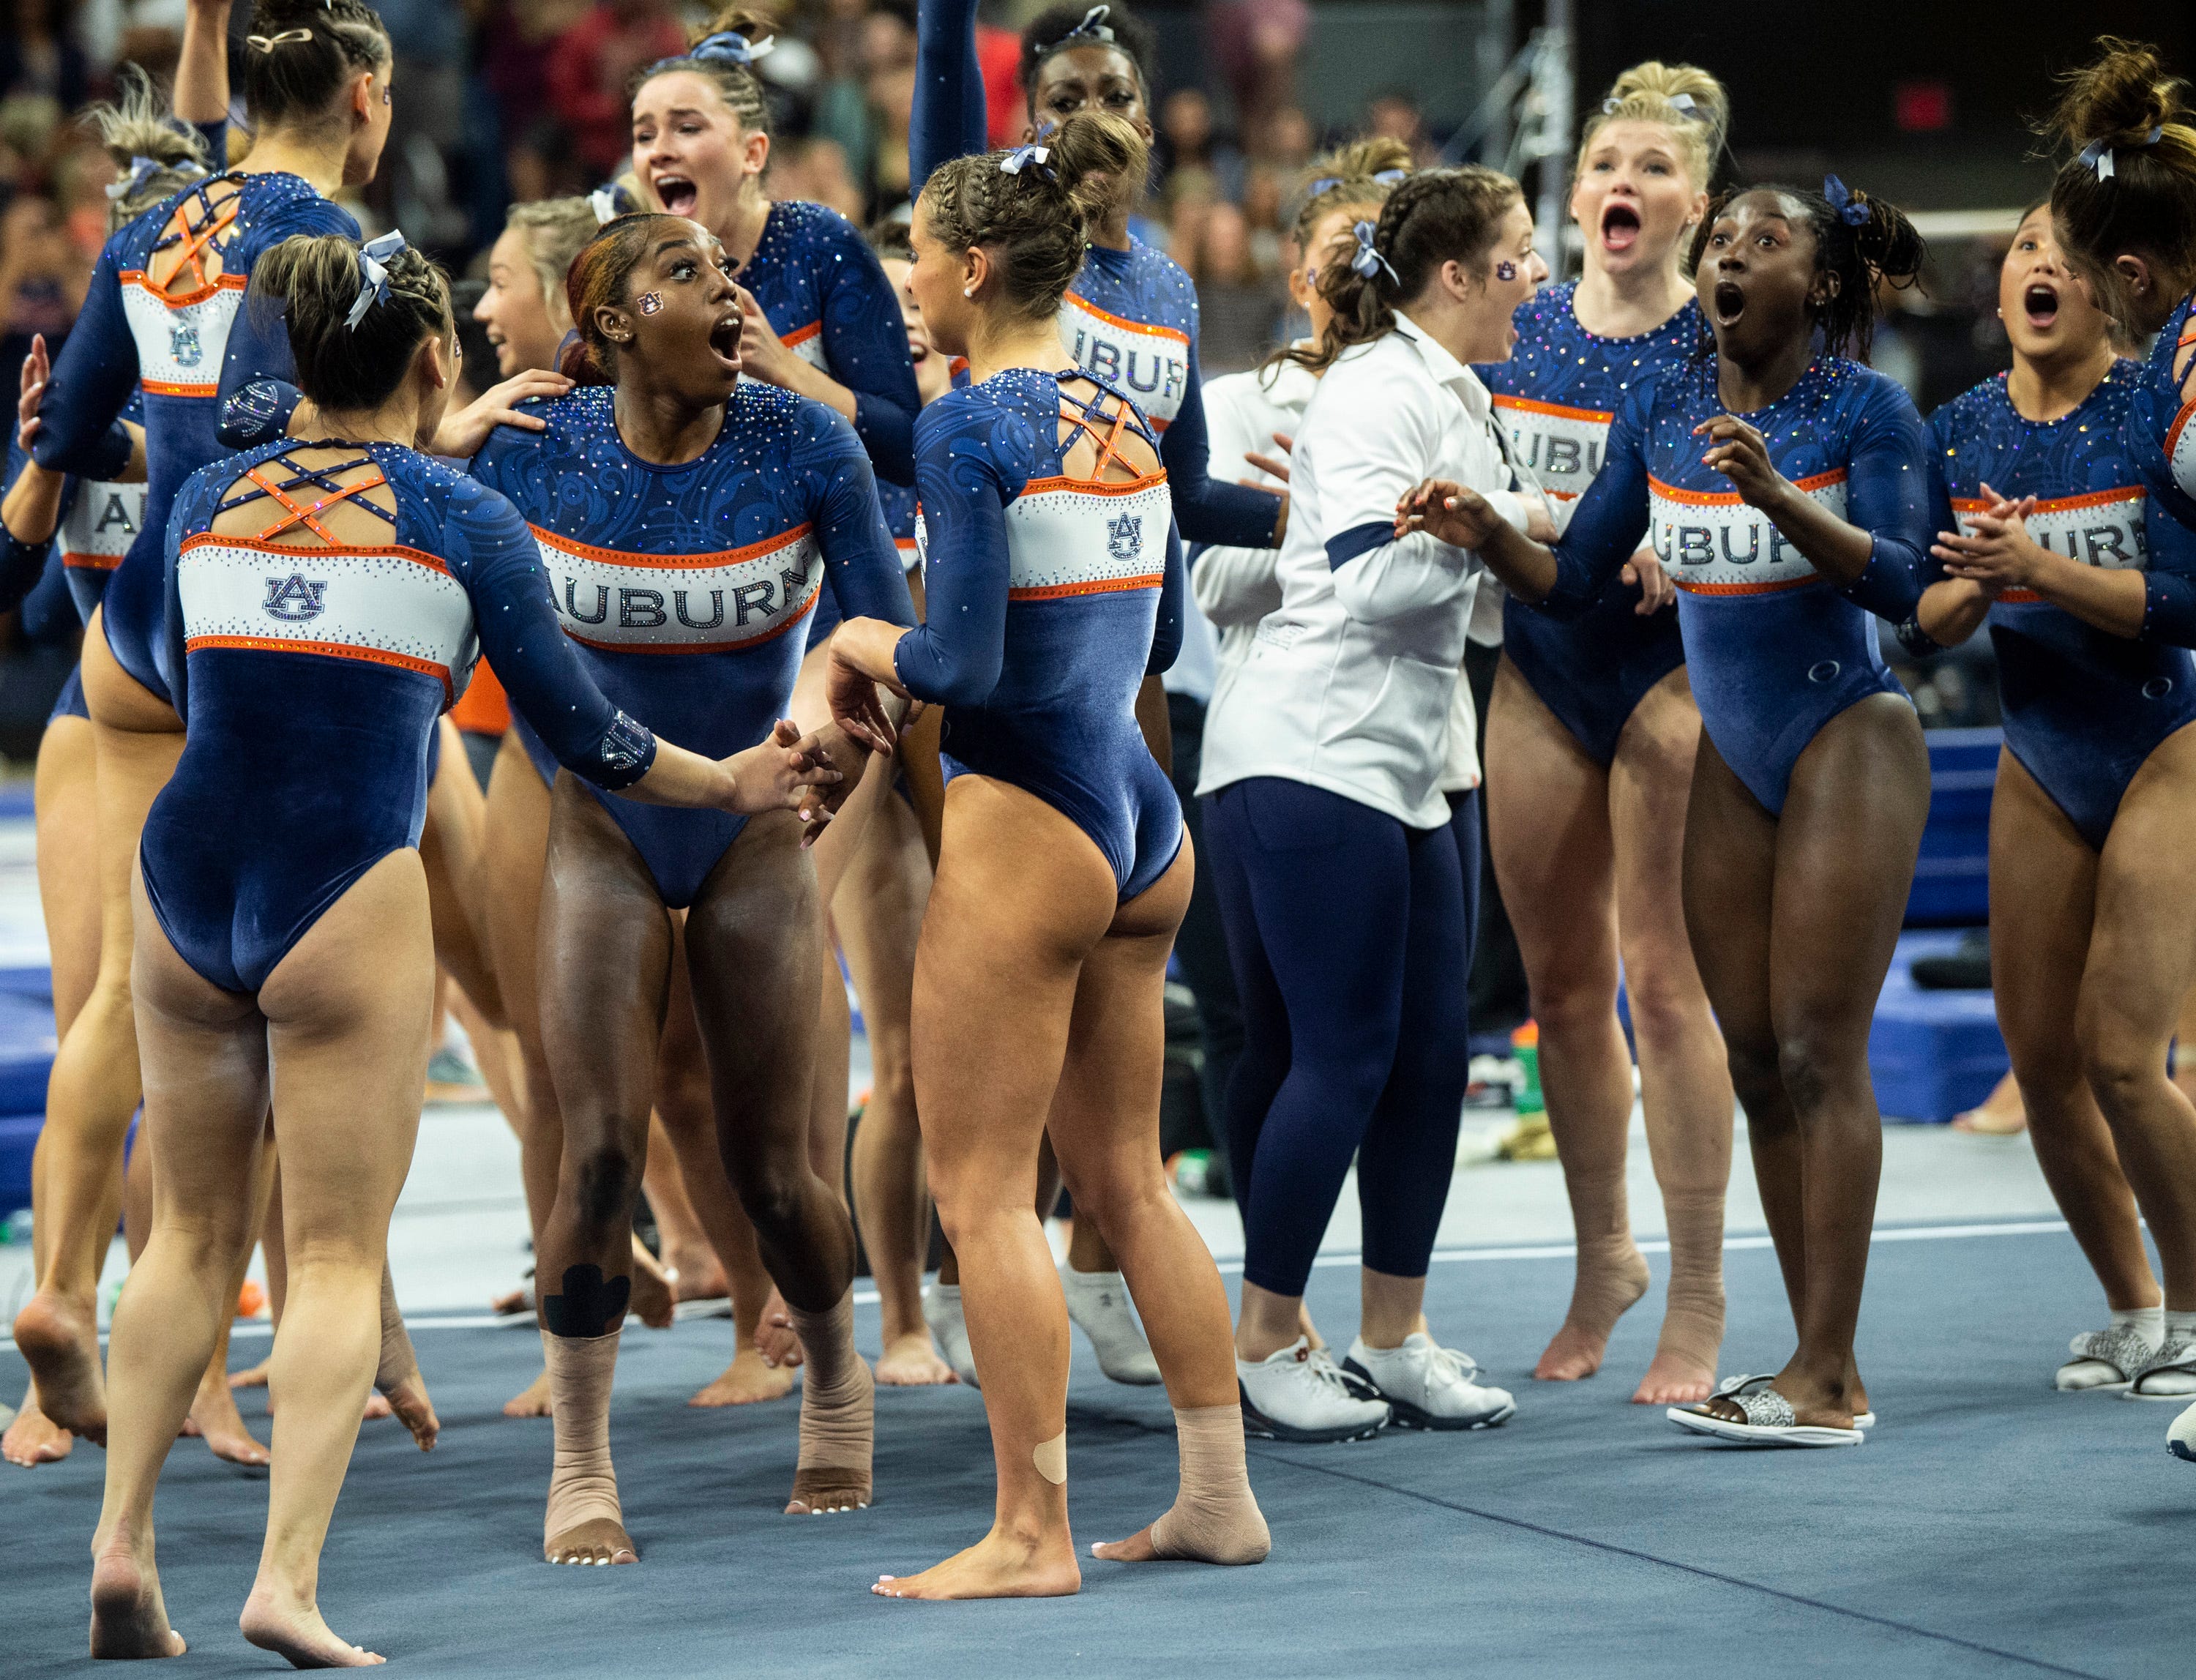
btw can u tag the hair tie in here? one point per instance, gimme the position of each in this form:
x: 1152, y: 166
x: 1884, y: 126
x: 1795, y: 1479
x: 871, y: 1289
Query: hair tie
x: 1851, y: 208
x: 604, y: 201
x: 2097, y: 155
x: 267, y: 43
x: 143, y: 169
x: 1094, y: 27
x: 373, y: 275
x: 1683, y: 103
x: 1027, y: 157
x: 731, y: 45
x: 1368, y: 261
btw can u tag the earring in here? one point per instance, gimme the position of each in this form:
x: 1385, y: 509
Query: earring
x: 967, y: 292
x: 652, y: 303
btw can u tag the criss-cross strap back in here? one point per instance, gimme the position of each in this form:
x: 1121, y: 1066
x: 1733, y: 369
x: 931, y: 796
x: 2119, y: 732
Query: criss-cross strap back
x: 1089, y: 417
x: 194, y: 237
x: 300, y: 514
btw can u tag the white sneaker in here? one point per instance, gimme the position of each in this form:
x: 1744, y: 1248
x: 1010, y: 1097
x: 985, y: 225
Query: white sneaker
x: 2180, y: 1439
x: 949, y: 1329
x: 1298, y: 1395
x: 1431, y: 1387
x: 1098, y: 1302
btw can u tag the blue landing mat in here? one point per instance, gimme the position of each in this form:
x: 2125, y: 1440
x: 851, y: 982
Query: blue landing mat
x: 1989, y: 1528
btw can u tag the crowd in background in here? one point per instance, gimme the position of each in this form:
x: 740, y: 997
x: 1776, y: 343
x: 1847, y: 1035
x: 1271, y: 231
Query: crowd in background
x: 502, y: 100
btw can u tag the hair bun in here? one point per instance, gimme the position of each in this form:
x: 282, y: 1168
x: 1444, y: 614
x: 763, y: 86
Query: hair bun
x: 2118, y: 97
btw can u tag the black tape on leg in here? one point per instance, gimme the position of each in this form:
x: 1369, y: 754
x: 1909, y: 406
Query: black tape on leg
x: 590, y: 1305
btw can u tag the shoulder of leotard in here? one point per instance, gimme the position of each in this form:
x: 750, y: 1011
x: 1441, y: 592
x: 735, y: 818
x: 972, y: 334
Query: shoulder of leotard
x: 1004, y: 400
x: 199, y: 496
x: 1955, y: 415
x: 765, y: 422
x: 813, y: 223
x: 1166, y: 279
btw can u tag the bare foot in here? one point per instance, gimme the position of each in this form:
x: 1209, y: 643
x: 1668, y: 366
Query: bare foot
x: 62, y: 1345
x: 215, y: 1417
x: 128, y: 1618
x: 911, y: 1361
x: 745, y: 1381
x: 701, y: 1276
x: 376, y: 1406
x: 406, y: 1396
x: 776, y: 1339
x: 254, y: 1378
x: 512, y: 1303
x: 599, y: 1540
x: 2001, y: 1114
x: 34, y: 1438
x: 997, y: 1566
x: 297, y: 1633
x: 1576, y: 1350
x: 652, y: 1301
x: 1672, y: 1379
x: 1136, y: 1548
x: 531, y: 1401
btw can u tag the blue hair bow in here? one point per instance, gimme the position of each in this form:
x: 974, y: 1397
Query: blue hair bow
x: 373, y: 275
x: 143, y: 169
x: 609, y: 202
x: 1386, y: 177
x: 1368, y: 261
x: 1029, y: 157
x: 1094, y: 26
x: 730, y: 44
x: 2097, y: 155
x: 1683, y: 103
x: 1851, y: 210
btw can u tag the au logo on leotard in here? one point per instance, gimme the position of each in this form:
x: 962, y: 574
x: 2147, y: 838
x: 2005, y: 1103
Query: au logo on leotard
x: 1124, y: 537
x: 296, y: 597
x: 183, y: 344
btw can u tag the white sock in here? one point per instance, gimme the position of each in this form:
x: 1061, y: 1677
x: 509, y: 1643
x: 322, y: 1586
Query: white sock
x: 2180, y: 1327
x: 1099, y: 1302
x: 2147, y: 1322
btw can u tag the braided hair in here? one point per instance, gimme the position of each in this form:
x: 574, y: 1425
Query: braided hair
x: 724, y: 65
x: 1063, y: 27
x: 302, y: 53
x: 316, y: 278
x: 1439, y: 215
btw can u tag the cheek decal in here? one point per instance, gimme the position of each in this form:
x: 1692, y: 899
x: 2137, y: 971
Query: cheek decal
x: 652, y: 303
x: 1505, y: 271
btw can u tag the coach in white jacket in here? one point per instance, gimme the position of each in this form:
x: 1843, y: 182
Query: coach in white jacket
x: 1328, y: 833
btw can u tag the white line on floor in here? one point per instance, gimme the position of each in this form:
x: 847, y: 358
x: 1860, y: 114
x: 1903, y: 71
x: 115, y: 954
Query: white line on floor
x: 868, y: 1297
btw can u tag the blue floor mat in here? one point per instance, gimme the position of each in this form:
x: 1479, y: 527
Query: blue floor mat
x: 1991, y: 1526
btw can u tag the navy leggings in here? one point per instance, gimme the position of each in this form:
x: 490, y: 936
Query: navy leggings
x: 1350, y: 936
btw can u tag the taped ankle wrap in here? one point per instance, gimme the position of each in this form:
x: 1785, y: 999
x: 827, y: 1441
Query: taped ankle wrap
x: 838, y: 1397
x: 1215, y: 1517
x: 1050, y: 1458
x: 582, y: 1484
x: 1692, y: 1322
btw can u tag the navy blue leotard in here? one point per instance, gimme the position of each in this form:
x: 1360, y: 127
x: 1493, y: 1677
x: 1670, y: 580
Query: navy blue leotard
x: 679, y: 585
x: 1557, y: 395
x: 825, y: 295
x: 898, y: 502
x: 317, y: 674
x: 1774, y: 650
x: 1050, y: 599
x: 190, y: 343
x: 2083, y: 708
x: 1130, y: 317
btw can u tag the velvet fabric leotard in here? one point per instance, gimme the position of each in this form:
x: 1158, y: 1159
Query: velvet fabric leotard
x: 1129, y: 318
x: 825, y: 295
x: 317, y: 672
x: 897, y: 502
x: 685, y: 588
x: 2083, y: 708
x: 1774, y: 650
x: 1556, y: 396
x: 190, y: 342
x: 1050, y: 598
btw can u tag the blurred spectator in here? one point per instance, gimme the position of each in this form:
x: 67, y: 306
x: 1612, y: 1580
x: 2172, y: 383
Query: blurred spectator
x: 1397, y: 115
x: 587, y: 69
x: 867, y: 103
x: 515, y: 43
x: 43, y: 280
x: 38, y: 55
x: 1256, y: 43
x: 1240, y: 308
x: 1194, y: 156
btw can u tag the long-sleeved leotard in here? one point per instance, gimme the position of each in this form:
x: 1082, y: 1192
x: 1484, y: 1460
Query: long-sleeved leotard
x: 1130, y: 317
x: 685, y: 588
x: 825, y: 295
x: 1050, y: 599
x: 1557, y: 394
x: 2083, y: 708
x: 1774, y: 650
x: 2163, y: 442
x: 191, y: 342
x: 317, y: 674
